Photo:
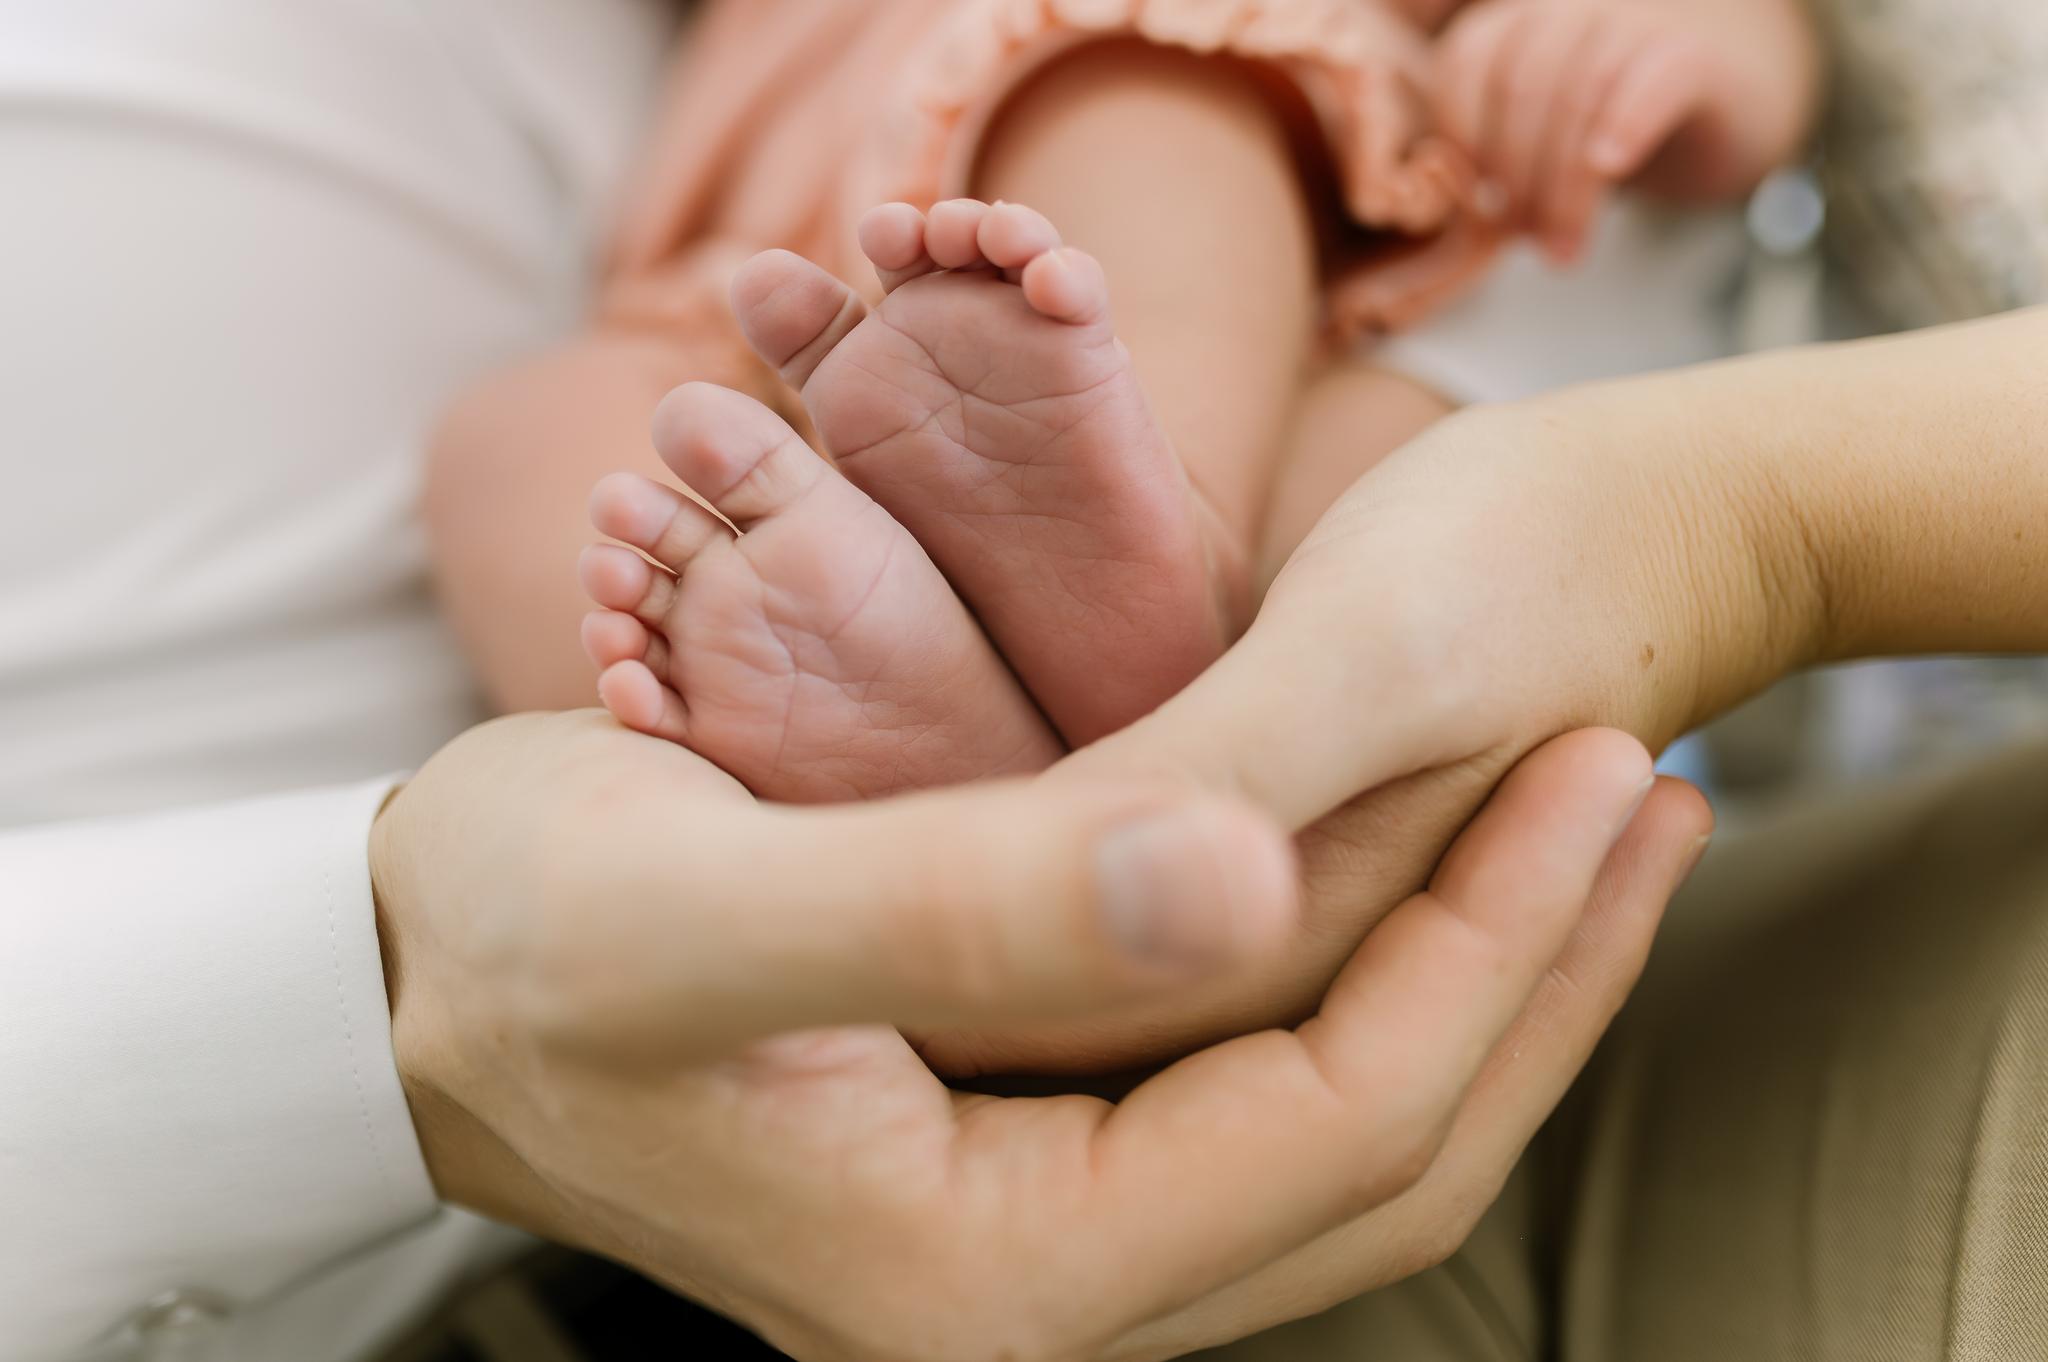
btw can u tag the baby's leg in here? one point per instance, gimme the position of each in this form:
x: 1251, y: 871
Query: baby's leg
x: 1349, y: 418
x: 508, y: 474
x: 1180, y: 173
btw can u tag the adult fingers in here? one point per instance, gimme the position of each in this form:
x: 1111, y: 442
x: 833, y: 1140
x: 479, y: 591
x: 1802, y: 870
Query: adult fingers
x: 1523, y: 1080
x: 1536, y: 1062
x: 1289, y: 1134
x: 970, y: 907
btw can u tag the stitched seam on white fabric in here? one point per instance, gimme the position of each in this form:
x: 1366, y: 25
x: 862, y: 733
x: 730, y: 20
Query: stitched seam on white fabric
x: 348, y: 1037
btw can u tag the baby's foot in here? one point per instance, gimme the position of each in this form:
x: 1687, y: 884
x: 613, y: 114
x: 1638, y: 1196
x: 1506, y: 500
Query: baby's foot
x: 817, y: 654
x: 988, y: 406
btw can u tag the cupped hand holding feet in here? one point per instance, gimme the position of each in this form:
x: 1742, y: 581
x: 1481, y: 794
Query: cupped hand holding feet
x: 821, y: 654
x: 633, y: 1015
x: 1642, y: 555
x: 1639, y: 554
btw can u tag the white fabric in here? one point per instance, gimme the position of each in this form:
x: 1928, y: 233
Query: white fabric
x: 197, y: 1060
x: 248, y: 251
x: 1655, y: 290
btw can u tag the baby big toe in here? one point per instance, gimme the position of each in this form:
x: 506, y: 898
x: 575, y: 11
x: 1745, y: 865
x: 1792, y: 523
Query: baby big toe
x: 792, y: 312
x: 735, y: 453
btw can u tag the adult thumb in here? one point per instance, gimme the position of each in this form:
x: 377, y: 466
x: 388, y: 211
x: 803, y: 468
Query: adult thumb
x: 994, y: 904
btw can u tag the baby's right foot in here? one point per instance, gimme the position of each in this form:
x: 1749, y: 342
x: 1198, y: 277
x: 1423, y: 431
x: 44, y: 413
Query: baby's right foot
x: 988, y: 406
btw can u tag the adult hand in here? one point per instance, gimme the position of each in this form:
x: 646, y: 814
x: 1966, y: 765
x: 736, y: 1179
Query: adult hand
x: 1512, y: 575
x: 610, y: 971
x: 1641, y: 555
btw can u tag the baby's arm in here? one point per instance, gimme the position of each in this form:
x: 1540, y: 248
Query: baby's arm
x: 508, y: 478
x: 1561, y: 99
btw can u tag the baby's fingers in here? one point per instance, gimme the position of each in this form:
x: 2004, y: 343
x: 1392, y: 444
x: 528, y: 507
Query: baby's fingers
x: 1661, y: 86
x: 1572, y: 190
x: 1473, y: 61
x: 1542, y: 73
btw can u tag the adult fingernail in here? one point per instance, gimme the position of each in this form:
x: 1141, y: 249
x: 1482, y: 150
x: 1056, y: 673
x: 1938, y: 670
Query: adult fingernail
x: 1635, y: 805
x: 1182, y: 886
x: 1694, y: 857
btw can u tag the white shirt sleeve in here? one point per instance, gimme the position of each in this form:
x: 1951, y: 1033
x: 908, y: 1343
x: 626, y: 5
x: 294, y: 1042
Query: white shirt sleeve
x: 197, y: 1090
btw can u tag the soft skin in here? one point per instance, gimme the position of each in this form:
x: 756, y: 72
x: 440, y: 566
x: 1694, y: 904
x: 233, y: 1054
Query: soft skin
x: 1649, y: 551
x: 1181, y: 174
x: 1644, y: 555
x: 1561, y: 101
x: 632, y: 1014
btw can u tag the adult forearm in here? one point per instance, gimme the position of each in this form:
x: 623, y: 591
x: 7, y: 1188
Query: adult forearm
x: 1880, y: 498
x: 1916, y: 471
x: 1718, y: 528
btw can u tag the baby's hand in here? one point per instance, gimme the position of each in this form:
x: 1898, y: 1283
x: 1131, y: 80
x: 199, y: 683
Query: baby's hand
x: 1559, y: 100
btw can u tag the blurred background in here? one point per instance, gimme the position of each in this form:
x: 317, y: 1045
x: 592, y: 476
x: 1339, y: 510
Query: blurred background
x: 1928, y: 190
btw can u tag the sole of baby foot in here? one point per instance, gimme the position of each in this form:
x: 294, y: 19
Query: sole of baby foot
x: 799, y: 637
x: 987, y: 404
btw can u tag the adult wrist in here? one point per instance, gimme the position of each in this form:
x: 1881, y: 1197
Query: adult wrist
x: 1735, y: 580
x: 467, y: 1160
x: 449, y: 1135
x: 1923, y: 471
x: 411, y: 1049
x: 1748, y: 422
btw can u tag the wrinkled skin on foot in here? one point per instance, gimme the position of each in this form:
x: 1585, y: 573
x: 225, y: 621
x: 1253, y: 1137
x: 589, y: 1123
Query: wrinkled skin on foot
x: 994, y: 454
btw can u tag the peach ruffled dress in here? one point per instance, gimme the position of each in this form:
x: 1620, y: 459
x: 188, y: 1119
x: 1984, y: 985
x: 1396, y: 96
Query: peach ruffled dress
x: 787, y: 119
